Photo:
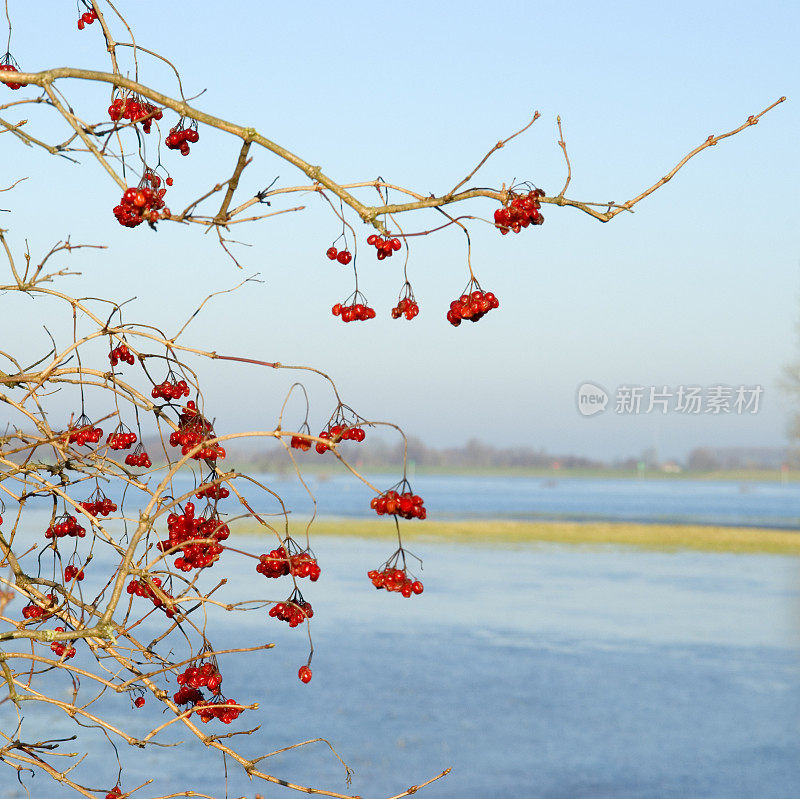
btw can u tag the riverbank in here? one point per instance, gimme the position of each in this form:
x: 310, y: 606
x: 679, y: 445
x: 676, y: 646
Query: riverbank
x: 647, y: 536
x: 325, y: 470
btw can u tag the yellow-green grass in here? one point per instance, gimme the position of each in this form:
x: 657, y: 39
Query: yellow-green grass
x: 647, y: 536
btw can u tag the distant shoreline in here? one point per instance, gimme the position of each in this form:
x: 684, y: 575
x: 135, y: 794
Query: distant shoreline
x: 320, y: 469
x: 661, y: 537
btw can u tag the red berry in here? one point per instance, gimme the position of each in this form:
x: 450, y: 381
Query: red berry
x: 304, y: 673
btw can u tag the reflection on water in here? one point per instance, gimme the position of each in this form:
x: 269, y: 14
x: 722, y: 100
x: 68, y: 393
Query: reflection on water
x: 534, y: 671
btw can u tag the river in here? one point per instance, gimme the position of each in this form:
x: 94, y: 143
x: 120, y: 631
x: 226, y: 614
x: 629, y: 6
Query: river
x: 540, y: 671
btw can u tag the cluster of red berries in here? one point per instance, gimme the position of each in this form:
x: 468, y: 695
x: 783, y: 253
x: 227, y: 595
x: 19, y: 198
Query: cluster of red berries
x: 142, y: 203
x: 135, y: 109
x: 121, y: 438
x: 523, y: 211
x: 62, y: 650
x: 407, y: 307
x: 295, y: 610
x: 204, y: 676
x: 355, y: 312
x: 226, y: 711
x: 304, y: 564
x: 212, y: 491
x: 187, y: 696
x: 473, y: 306
x: 289, y: 559
x: 121, y: 352
x: 340, y: 432
x: 188, y: 527
x: 87, y: 18
x: 99, y: 504
x: 289, y: 612
x: 32, y: 611
x: 342, y: 256
x: 301, y: 443
x: 193, y: 429
x: 143, y: 589
x: 73, y: 571
x: 304, y: 674
x: 84, y: 432
x: 138, y: 457
x: 65, y: 525
x: 393, y: 579
x: 179, y: 138
x: 273, y: 564
x: 170, y: 389
x: 407, y: 505
x: 385, y: 246
x: 8, y: 64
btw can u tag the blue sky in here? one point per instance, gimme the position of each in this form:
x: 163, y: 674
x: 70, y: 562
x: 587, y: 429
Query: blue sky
x: 700, y: 286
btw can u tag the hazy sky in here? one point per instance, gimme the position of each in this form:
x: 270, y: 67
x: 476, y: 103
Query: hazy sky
x: 700, y: 287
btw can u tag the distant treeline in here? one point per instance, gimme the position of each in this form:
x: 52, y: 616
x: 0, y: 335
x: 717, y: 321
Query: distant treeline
x: 377, y: 453
x: 714, y: 458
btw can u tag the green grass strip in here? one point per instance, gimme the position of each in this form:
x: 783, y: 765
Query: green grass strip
x: 646, y: 536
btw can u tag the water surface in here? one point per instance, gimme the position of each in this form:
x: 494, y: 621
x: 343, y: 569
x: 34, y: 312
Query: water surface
x: 533, y: 671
